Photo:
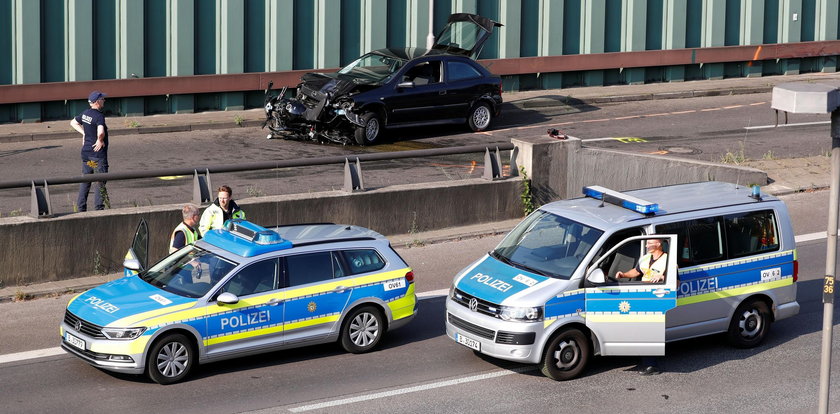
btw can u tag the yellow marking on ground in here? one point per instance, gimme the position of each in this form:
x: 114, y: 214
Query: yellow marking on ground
x: 710, y: 109
x: 626, y: 117
x: 660, y: 114
x: 625, y: 140
x: 758, y: 103
x: 684, y: 112
x: 596, y: 120
x: 171, y: 177
x: 662, y: 152
x: 732, y: 107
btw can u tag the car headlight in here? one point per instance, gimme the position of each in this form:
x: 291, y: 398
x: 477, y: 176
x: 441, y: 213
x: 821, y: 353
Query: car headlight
x: 521, y: 314
x: 123, y: 333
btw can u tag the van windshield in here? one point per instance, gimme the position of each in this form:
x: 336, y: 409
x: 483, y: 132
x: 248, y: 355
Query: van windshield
x: 189, y: 272
x: 547, y: 244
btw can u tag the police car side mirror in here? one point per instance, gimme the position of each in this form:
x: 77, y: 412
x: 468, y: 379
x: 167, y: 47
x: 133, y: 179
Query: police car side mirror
x: 227, y: 298
x: 132, y: 264
x: 596, y: 277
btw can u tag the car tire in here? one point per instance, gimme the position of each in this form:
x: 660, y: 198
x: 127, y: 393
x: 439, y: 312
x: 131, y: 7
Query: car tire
x: 480, y: 117
x: 371, y: 132
x: 566, y: 355
x: 170, y: 359
x: 750, y: 324
x: 362, y: 330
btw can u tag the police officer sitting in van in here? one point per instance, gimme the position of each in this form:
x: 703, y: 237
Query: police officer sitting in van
x: 651, y: 266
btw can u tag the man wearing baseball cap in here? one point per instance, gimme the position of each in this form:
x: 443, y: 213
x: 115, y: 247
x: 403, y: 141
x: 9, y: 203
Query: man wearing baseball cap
x: 91, y: 124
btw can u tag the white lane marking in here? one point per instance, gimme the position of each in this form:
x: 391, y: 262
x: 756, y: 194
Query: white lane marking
x: 788, y: 125
x: 23, y: 356
x: 401, y: 391
x: 431, y: 294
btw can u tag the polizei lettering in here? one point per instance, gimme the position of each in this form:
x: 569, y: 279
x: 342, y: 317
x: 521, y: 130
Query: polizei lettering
x: 492, y: 282
x: 693, y: 287
x: 101, y: 304
x: 241, y: 321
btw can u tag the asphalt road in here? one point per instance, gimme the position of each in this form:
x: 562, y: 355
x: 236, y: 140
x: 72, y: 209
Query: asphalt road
x: 418, y: 369
x: 706, y: 129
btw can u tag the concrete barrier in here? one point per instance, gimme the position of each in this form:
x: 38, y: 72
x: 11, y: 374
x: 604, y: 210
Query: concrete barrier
x: 82, y: 244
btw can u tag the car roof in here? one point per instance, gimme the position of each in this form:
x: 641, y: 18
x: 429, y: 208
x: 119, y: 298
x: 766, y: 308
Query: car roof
x: 324, y: 232
x: 672, y: 199
x: 409, y: 53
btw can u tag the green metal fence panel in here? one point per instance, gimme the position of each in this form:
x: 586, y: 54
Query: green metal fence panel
x: 732, y: 31
x: 612, y: 25
x: 205, y: 37
x: 571, y: 27
x: 351, y: 31
x: 490, y: 9
x: 694, y: 23
x: 154, y: 38
x: 396, y: 23
x: 255, y: 35
x: 6, y: 37
x: 104, y: 40
x: 304, y: 39
x: 653, y: 25
x: 52, y: 41
x: 809, y: 20
x: 771, y: 21
x: 530, y: 28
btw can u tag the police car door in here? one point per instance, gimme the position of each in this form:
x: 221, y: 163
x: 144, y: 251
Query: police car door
x: 316, y: 296
x: 628, y: 317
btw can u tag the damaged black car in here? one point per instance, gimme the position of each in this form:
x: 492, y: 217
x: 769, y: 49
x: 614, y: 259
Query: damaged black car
x: 395, y: 87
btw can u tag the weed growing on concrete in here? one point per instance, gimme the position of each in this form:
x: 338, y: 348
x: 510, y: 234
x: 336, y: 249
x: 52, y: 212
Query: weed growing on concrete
x: 768, y: 156
x: 15, y: 212
x: 237, y: 119
x: 413, y: 230
x: 130, y: 123
x: 20, y: 296
x: 72, y: 204
x: 97, y: 263
x: 736, y: 157
x: 527, y: 196
x: 254, y: 191
x: 826, y: 153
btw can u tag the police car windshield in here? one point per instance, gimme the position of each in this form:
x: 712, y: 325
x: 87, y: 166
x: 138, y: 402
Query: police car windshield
x: 547, y: 244
x: 189, y: 272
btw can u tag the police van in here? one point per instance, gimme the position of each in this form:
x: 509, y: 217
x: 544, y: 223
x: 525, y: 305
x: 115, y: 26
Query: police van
x: 548, y: 293
x: 243, y: 290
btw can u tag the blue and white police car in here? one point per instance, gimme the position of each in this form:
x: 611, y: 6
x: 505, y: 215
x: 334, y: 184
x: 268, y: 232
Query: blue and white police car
x: 547, y: 294
x: 243, y: 290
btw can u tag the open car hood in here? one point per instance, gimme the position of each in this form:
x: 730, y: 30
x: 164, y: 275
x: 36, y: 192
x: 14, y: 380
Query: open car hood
x: 465, y: 34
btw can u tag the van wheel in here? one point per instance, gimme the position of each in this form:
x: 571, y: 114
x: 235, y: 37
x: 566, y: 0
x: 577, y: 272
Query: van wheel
x: 566, y: 355
x: 480, y: 117
x: 750, y: 324
x: 362, y: 330
x: 170, y: 359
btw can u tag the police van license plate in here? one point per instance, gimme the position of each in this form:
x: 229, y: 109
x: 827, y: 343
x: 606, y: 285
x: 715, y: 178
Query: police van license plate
x: 468, y: 342
x: 72, y: 340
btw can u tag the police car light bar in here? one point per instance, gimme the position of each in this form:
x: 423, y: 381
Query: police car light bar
x: 620, y: 199
x: 252, y: 232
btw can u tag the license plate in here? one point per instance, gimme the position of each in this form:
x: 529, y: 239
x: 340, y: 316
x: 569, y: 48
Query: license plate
x: 72, y: 340
x: 468, y: 342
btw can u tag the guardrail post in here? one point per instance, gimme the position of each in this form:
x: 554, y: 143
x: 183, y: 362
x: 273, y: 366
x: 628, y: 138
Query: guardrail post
x: 40, y: 206
x: 353, y: 176
x: 201, y: 188
x: 514, y: 169
x: 492, y: 171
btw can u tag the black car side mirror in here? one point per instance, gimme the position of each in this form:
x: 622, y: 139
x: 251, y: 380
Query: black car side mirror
x: 405, y: 85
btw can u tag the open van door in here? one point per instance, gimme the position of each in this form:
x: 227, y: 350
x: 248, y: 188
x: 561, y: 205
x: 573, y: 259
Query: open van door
x: 465, y: 34
x: 137, y: 257
x: 628, y: 317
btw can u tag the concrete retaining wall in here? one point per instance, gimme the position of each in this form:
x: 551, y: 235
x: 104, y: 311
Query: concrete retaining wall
x: 81, y: 244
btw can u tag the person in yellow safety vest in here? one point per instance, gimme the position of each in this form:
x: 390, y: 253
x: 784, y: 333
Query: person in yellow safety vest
x: 651, y: 266
x: 185, y: 233
x: 222, y: 210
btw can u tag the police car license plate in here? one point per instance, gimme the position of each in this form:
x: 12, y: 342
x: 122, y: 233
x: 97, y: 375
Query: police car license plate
x: 468, y: 342
x: 72, y: 340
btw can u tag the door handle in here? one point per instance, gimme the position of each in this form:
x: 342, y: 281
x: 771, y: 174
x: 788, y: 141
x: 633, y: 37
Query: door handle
x: 443, y: 92
x: 339, y: 289
x: 661, y: 292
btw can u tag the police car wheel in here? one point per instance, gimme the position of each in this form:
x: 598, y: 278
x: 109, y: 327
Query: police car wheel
x: 566, y: 355
x: 170, y: 359
x: 362, y: 330
x: 480, y: 117
x: 750, y: 324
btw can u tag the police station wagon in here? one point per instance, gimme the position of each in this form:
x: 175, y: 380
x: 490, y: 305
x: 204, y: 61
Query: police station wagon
x: 243, y: 290
x: 547, y: 294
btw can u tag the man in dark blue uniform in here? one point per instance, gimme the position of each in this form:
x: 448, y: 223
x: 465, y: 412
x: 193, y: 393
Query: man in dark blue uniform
x: 91, y: 124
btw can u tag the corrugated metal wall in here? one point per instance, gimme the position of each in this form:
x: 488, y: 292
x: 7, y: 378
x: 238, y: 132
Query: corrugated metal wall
x: 78, y: 40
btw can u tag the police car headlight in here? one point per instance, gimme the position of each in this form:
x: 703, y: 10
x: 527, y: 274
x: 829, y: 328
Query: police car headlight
x: 123, y: 333
x: 521, y: 314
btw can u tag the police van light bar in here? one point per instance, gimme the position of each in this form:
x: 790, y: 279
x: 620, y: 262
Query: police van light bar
x: 620, y: 199
x: 252, y: 232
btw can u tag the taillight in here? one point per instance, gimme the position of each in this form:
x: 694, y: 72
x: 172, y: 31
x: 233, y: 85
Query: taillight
x: 795, y: 270
x: 409, y: 277
x: 500, y: 88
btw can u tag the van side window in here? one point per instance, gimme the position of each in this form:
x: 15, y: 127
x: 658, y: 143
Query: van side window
x: 698, y: 241
x: 309, y: 268
x: 750, y: 233
x: 625, y: 257
x: 363, y: 261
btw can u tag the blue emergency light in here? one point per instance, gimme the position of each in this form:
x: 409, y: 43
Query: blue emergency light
x: 246, y: 239
x: 620, y: 199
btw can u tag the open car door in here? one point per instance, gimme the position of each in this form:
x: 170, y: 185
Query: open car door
x: 137, y: 257
x: 465, y: 34
x: 628, y: 316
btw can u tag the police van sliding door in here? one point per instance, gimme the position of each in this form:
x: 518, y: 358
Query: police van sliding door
x: 627, y: 316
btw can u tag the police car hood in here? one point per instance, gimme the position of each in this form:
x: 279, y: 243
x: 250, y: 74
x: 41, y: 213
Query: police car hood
x: 127, y: 301
x: 497, y: 282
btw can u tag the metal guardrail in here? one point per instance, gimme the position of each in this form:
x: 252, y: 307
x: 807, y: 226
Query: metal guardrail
x: 353, y: 181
